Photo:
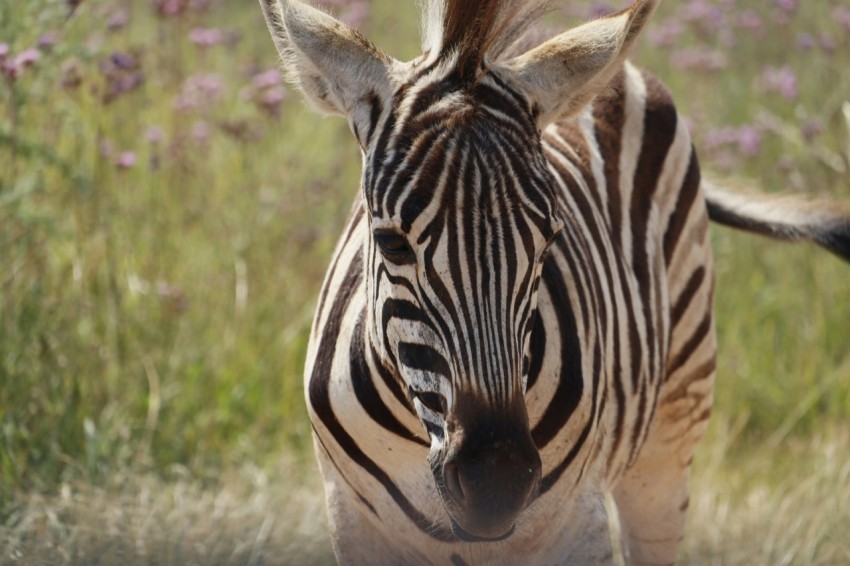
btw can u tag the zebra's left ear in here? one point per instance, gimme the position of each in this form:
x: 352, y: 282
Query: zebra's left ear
x: 338, y: 70
x: 566, y: 72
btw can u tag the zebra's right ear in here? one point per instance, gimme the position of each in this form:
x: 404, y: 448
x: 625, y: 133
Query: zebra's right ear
x: 338, y: 70
x: 563, y: 74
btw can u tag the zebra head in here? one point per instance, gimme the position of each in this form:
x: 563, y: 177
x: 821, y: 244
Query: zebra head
x: 461, y: 208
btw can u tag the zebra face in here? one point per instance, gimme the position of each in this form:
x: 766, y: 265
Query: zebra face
x: 459, y: 228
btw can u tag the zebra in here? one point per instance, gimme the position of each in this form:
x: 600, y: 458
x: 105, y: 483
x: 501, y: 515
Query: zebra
x: 517, y: 320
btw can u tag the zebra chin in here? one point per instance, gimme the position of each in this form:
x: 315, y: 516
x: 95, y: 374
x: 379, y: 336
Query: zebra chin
x: 487, y: 475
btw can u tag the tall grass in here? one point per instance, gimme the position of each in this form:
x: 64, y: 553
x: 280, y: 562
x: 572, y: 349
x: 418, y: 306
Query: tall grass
x: 167, y: 210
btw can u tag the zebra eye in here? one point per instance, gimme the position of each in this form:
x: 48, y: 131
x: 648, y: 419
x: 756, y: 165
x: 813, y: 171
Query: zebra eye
x: 394, y: 246
x: 433, y: 401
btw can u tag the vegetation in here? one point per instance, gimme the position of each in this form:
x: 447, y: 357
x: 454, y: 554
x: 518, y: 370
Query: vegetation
x: 167, y: 211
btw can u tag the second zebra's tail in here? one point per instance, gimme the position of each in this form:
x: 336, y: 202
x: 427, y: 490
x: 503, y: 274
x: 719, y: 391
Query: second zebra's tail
x: 783, y: 217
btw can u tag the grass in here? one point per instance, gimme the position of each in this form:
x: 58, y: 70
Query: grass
x: 154, y: 314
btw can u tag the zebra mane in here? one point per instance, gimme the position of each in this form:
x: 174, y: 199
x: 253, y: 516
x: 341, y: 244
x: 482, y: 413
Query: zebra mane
x: 475, y: 29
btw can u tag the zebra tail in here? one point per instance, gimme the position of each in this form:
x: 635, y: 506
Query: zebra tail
x: 783, y: 217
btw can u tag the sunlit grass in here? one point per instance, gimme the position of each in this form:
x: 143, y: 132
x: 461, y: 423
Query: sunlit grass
x: 154, y: 313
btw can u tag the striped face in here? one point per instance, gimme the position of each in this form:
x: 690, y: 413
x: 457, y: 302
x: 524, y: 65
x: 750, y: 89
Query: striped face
x: 461, y: 214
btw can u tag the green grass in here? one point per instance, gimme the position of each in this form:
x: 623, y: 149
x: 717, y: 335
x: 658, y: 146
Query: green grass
x: 153, y: 319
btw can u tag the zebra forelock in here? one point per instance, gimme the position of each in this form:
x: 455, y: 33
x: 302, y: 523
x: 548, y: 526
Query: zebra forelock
x: 475, y: 30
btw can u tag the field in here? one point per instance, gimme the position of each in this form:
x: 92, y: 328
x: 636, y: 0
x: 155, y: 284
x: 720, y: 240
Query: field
x: 167, y: 211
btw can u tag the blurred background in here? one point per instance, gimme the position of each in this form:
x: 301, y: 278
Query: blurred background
x: 167, y: 212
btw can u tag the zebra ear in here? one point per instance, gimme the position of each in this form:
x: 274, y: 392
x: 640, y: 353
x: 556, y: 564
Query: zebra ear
x: 566, y: 72
x: 338, y: 70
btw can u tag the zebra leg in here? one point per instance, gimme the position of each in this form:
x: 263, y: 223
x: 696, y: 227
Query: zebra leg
x: 652, y: 496
x: 652, y: 500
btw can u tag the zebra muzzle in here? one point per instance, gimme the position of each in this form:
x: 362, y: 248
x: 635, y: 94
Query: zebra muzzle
x: 491, y: 473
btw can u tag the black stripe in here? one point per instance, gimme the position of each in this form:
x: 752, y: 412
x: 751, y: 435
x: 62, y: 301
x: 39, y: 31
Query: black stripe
x: 570, y: 383
x: 367, y: 395
x: 423, y: 358
x: 684, y: 204
x: 681, y: 357
x: 362, y: 499
x: 683, y: 301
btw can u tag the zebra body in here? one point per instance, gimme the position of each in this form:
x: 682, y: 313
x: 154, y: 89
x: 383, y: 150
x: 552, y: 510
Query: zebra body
x: 518, y: 318
x: 574, y: 399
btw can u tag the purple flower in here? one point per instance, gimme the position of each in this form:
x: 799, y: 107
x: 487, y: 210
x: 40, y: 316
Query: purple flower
x: 13, y: 67
x: 206, y: 37
x: 787, y: 5
x: 122, y: 75
x: 154, y: 134
x: 702, y: 13
x: 600, y: 9
x: 123, y: 60
x: 199, y: 91
x: 118, y: 19
x: 266, y: 79
x: 170, y: 8
x: 357, y: 14
x: 781, y: 80
x: 125, y: 160
x: 266, y: 91
x: 805, y: 41
x: 48, y: 40
x: 201, y: 132
x: 715, y: 138
x: 751, y: 21
x: 271, y: 99
x: 827, y: 42
x: 749, y: 140
x: 667, y: 33
x: 27, y: 58
x: 699, y: 59
x: 811, y: 128
x: 841, y: 15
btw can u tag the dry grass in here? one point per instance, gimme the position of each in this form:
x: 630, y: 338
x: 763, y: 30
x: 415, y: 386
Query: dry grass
x: 250, y: 518
x: 771, y: 504
x: 768, y: 504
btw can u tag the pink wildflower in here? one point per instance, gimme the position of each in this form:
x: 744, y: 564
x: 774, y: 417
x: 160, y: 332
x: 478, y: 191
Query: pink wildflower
x: 206, y: 37
x: 154, y: 134
x: 201, y: 132
x: 266, y: 79
x: 48, y: 40
x: 749, y: 140
x: 170, y: 8
x: 781, y: 80
x: 787, y: 5
x: 699, y: 59
x: 667, y: 33
x: 118, y: 19
x: 27, y: 58
x: 126, y: 160
x: 811, y: 128
x: 841, y: 15
x: 199, y: 91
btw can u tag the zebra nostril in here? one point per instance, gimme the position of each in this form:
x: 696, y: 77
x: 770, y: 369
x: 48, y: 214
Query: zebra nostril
x: 451, y: 474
